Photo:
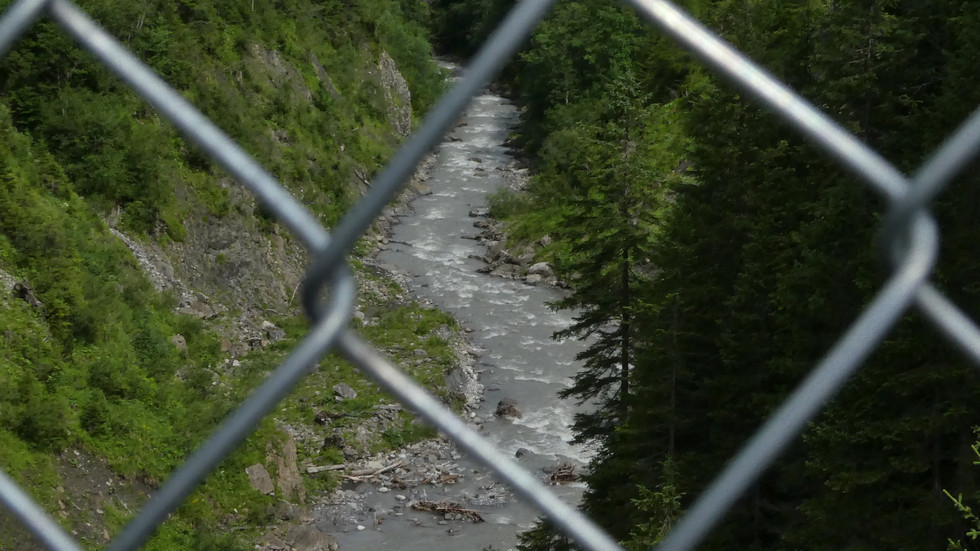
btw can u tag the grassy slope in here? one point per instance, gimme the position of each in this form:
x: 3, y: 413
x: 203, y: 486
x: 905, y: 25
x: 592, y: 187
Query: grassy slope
x: 93, y: 373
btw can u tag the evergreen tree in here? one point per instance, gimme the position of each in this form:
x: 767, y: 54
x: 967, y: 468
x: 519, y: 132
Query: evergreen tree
x: 750, y: 276
x: 611, y: 209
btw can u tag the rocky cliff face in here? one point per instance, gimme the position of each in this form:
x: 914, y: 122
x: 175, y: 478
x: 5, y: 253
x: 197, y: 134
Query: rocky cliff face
x: 235, y: 270
x: 397, y: 95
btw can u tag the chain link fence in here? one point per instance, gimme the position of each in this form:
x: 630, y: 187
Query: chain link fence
x: 910, y: 235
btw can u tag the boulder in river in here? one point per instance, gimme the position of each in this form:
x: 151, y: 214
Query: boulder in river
x: 533, y: 279
x: 542, y: 269
x: 507, y: 408
x: 507, y: 271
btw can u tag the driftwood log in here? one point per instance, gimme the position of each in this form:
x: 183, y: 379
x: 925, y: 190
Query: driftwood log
x: 448, y: 508
x: 315, y: 469
x: 355, y: 474
x: 361, y: 474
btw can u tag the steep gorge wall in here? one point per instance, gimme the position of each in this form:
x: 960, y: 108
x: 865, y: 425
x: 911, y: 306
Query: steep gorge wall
x: 157, y: 289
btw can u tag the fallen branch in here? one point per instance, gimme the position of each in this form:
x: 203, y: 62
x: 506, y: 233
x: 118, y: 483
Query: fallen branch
x: 361, y: 474
x: 315, y: 469
x: 448, y: 508
x: 394, y: 465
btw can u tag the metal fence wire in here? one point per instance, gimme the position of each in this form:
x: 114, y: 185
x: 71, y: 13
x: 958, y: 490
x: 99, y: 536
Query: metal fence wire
x: 910, y: 234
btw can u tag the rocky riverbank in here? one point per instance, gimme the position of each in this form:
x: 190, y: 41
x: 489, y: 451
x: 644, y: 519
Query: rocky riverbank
x: 504, y: 259
x: 422, y: 496
x: 408, y: 475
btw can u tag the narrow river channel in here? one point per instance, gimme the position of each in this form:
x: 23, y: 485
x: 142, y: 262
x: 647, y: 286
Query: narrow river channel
x: 512, y: 326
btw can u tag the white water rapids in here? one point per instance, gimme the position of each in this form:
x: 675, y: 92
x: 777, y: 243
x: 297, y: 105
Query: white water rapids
x: 512, y: 326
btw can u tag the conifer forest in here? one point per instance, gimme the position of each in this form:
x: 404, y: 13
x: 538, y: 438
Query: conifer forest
x: 714, y: 255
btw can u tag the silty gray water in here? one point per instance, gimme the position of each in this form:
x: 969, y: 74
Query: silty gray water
x: 511, y: 324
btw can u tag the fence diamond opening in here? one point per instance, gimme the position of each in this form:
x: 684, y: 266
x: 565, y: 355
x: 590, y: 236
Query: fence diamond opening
x: 910, y: 237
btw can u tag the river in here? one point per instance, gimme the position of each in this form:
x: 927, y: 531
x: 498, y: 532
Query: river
x: 511, y: 326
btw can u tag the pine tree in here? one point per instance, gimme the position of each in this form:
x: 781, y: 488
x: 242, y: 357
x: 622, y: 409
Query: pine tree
x: 608, y: 225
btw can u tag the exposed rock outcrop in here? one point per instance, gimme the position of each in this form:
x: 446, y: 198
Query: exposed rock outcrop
x: 323, y: 77
x: 25, y: 292
x: 7, y: 282
x: 259, y: 479
x: 397, y: 94
x: 288, y: 480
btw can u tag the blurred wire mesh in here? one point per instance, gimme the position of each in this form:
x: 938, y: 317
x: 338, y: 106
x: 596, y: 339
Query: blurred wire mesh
x: 909, y: 231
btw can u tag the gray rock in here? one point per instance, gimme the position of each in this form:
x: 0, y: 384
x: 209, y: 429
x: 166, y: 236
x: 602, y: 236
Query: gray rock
x: 533, y: 279
x: 288, y: 478
x: 507, y: 271
x: 398, y: 95
x: 350, y: 453
x: 521, y: 452
x: 273, y: 333
x: 260, y: 480
x: 308, y: 538
x: 288, y: 511
x: 541, y: 268
x: 344, y: 391
x: 272, y: 542
x: 179, y: 342
x: 507, y: 408
x: 7, y: 282
x: 322, y: 417
x: 25, y: 292
x: 526, y: 256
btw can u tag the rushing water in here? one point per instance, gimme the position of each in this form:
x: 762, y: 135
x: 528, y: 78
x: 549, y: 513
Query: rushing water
x: 511, y: 324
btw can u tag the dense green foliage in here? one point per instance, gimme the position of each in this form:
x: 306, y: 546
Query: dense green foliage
x: 755, y: 253
x: 89, y: 372
x: 291, y: 82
